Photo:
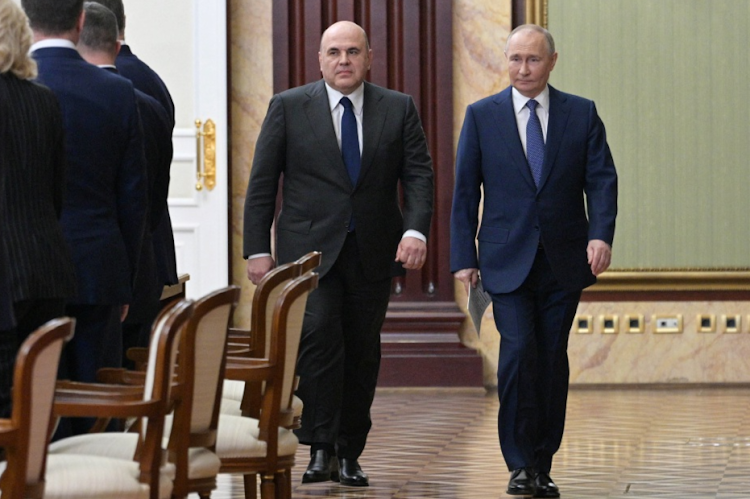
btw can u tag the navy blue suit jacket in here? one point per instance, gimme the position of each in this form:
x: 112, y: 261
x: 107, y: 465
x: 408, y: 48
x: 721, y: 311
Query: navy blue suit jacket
x: 147, y: 81
x: 104, y: 210
x: 516, y: 214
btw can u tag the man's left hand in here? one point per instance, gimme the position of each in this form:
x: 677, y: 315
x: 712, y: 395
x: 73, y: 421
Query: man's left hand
x: 599, y: 255
x: 412, y: 252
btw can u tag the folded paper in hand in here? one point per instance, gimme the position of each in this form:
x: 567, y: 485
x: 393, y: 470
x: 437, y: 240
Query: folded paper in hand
x: 479, y: 300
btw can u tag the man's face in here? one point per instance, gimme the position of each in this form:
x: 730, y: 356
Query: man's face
x: 529, y: 62
x: 344, y: 57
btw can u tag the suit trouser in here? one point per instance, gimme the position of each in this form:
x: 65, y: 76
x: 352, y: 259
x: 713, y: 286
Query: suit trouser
x: 534, y: 323
x: 30, y: 315
x: 339, y: 355
x: 96, y: 343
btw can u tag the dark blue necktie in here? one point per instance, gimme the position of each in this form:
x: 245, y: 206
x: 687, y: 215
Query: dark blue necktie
x: 534, y: 142
x: 350, y: 141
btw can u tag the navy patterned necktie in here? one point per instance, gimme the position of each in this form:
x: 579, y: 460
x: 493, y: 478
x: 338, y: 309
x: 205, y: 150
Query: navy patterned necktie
x: 534, y: 142
x: 350, y: 141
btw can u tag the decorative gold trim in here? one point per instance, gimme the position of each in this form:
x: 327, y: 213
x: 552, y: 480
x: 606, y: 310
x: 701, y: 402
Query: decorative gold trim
x: 665, y: 280
x: 536, y: 12
x: 206, y: 157
x: 209, y: 154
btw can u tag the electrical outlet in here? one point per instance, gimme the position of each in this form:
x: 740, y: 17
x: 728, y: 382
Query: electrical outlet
x: 583, y: 324
x: 706, y: 323
x: 667, y: 323
x: 731, y: 323
x: 634, y: 323
x: 609, y: 324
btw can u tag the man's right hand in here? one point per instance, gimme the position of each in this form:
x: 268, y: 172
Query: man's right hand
x: 468, y: 277
x: 258, y: 267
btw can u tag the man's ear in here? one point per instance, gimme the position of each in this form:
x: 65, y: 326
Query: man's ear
x: 118, y: 46
x: 81, y: 21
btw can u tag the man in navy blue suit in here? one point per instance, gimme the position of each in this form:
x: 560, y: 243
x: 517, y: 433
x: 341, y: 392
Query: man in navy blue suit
x: 147, y: 81
x: 104, y: 210
x: 99, y: 45
x: 533, y: 152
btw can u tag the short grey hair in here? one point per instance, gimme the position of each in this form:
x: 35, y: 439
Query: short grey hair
x: 536, y: 28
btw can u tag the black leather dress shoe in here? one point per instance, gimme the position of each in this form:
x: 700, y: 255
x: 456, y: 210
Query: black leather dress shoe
x: 544, y: 486
x: 351, y: 474
x: 322, y: 467
x: 521, y: 482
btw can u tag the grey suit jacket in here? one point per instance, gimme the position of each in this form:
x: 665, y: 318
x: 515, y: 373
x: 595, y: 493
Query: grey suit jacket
x: 297, y: 140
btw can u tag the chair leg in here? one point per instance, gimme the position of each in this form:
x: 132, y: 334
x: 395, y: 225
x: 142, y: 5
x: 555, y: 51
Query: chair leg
x: 288, y: 475
x: 251, y: 486
x: 267, y: 487
x: 280, y: 481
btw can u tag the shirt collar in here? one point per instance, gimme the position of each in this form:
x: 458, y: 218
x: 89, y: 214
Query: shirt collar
x: 520, y: 100
x: 53, y: 42
x: 357, y: 97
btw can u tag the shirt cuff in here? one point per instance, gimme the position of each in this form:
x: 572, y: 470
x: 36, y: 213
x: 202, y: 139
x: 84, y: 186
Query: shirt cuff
x: 258, y: 255
x: 416, y: 234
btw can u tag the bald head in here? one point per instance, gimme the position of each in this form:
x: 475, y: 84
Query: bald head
x: 344, y: 25
x: 345, y: 56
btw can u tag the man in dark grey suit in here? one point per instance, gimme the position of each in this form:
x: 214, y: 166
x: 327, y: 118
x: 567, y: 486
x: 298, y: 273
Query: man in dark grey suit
x: 104, y: 210
x: 343, y: 145
x: 39, y: 265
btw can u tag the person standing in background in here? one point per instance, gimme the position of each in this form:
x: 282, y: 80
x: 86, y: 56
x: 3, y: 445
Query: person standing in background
x: 99, y: 45
x: 540, y: 159
x: 137, y: 329
x: 104, y: 209
x: 344, y: 146
x: 38, y: 261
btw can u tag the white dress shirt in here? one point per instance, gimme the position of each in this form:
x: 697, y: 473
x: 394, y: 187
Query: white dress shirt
x: 522, y: 112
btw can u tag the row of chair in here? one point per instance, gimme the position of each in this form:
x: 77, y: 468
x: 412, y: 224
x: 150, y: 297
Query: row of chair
x: 183, y: 432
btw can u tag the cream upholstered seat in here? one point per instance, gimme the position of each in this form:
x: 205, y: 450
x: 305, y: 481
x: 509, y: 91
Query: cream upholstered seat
x: 24, y: 435
x: 263, y: 446
x: 138, y: 474
x: 192, y: 428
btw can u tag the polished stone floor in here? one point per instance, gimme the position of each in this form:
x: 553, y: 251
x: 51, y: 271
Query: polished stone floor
x: 623, y: 444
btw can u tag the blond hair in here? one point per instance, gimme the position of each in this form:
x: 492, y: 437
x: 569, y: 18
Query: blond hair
x: 15, y: 41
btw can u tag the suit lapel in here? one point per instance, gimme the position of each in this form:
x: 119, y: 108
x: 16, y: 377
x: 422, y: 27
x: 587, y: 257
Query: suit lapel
x: 373, y: 120
x: 559, y: 110
x: 505, y: 116
x: 318, y: 111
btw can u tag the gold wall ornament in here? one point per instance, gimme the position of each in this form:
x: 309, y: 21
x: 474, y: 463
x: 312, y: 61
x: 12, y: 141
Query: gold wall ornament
x: 536, y: 12
x: 205, y: 159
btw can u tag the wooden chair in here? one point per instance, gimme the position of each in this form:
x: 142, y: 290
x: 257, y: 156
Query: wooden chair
x: 263, y: 446
x: 192, y: 428
x: 244, y: 399
x: 140, y: 475
x: 24, y: 435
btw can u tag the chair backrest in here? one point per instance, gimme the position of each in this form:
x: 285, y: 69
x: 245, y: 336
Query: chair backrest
x: 201, y: 360
x: 33, y: 393
x: 288, y: 315
x: 160, y: 370
x: 264, y: 300
x: 268, y: 292
x: 309, y: 262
